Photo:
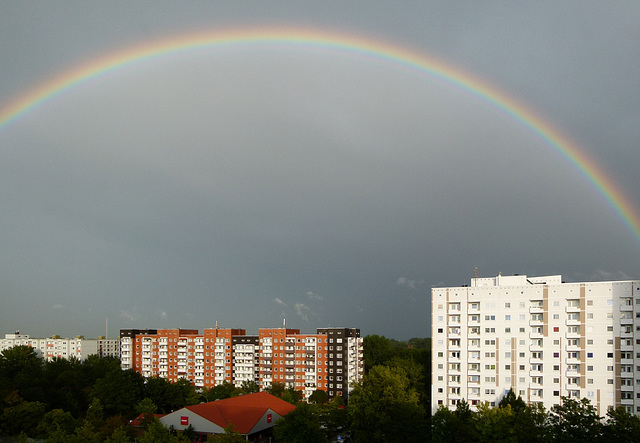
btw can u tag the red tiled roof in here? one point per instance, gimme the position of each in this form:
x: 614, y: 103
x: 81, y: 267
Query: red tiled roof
x: 138, y: 420
x: 243, y: 411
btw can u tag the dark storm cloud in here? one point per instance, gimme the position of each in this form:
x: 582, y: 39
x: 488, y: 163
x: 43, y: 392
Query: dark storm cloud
x: 247, y: 186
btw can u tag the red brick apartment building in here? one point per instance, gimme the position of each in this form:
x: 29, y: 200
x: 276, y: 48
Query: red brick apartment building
x: 330, y: 360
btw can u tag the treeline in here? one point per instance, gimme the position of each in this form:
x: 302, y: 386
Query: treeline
x: 392, y: 403
x: 67, y: 400
x: 512, y: 420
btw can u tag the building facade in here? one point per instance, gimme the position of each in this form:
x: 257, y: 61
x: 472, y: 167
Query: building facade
x: 330, y: 360
x: 538, y: 336
x: 58, y: 347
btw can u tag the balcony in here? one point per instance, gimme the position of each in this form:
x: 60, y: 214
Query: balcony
x: 536, y: 321
x: 572, y: 321
x: 626, y: 307
x: 573, y: 334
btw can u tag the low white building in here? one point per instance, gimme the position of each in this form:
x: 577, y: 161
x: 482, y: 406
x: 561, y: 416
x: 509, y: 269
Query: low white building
x: 57, y: 347
x: 540, y: 337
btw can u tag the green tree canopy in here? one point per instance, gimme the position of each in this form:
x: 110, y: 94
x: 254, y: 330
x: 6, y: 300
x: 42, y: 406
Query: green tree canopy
x: 384, y: 408
x: 301, y: 425
x: 119, y: 392
x: 575, y: 420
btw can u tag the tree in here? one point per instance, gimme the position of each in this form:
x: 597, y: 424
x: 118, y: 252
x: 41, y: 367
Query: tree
x: 574, y: 420
x: 621, y: 426
x: 292, y: 395
x: 384, y: 408
x: 146, y: 406
x: 188, y: 394
x: 56, y: 421
x: 156, y: 432
x: 249, y: 387
x: 444, y: 426
x: 119, y: 392
x: 276, y: 389
x: 420, y: 343
x: 120, y: 435
x: 493, y: 424
x: 517, y: 404
x: 21, y: 416
x: 300, y: 426
x: 319, y: 397
x: 221, y: 391
x: 333, y: 416
x: 377, y: 350
x: 21, y: 369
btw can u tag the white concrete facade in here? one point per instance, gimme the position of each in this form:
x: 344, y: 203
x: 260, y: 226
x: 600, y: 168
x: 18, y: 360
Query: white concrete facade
x: 57, y: 347
x: 541, y: 337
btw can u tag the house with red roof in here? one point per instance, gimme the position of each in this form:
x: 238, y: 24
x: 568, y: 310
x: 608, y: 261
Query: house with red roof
x: 251, y: 415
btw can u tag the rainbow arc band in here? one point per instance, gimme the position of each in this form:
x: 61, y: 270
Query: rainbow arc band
x: 346, y: 44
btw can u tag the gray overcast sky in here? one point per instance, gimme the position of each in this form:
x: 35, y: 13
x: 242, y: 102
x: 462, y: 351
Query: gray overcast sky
x: 253, y: 184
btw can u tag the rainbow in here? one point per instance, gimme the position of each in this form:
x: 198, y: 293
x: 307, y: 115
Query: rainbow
x: 351, y: 45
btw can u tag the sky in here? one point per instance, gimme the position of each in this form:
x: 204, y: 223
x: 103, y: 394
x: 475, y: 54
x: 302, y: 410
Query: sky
x: 248, y: 184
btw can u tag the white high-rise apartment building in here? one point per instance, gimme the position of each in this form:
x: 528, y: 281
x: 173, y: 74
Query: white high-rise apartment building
x: 57, y: 347
x: 540, y: 337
